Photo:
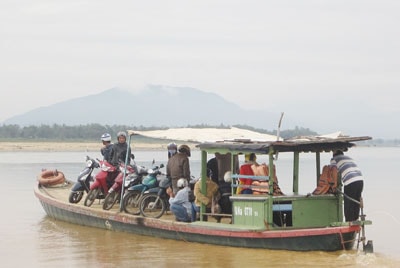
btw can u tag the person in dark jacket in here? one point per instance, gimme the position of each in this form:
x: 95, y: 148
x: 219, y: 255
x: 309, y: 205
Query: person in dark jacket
x: 178, y: 166
x: 213, y: 165
x: 120, y: 149
x: 107, y: 147
x: 225, y: 190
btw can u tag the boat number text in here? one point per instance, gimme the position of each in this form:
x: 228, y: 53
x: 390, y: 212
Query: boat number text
x: 246, y: 211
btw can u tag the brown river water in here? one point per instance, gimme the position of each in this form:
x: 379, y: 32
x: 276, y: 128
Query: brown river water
x: 31, y: 239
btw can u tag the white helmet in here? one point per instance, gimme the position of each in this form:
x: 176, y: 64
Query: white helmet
x: 182, y: 183
x: 228, y: 176
x: 106, y: 137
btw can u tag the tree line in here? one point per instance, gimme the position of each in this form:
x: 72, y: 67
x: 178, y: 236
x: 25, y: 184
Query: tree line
x: 92, y: 132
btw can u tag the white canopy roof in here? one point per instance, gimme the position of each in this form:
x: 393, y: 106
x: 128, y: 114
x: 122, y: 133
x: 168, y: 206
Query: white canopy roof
x: 205, y: 134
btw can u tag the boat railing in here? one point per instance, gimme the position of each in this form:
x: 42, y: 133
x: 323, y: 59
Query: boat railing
x: 236, y: 182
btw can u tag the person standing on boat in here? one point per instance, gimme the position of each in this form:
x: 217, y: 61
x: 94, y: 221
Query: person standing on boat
x: 120, y: 149
x: 172, y: 149
x: 213, y: 165
x: 107, y: 147
x: 178, y: 166
x: 180, y: 204
x: 353, y: 183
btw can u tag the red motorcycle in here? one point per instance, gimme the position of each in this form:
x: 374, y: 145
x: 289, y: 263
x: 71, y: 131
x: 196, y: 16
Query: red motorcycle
x: 133, y: 176
x: 103, y: 180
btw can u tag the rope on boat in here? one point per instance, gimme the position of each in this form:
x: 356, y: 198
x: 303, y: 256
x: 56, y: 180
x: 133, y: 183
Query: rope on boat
x: 367, y: 247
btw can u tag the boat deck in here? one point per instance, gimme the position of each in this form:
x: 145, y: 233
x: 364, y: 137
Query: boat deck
x: 61, y: 192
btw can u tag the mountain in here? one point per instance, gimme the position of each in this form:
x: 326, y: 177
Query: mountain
x: 153, y: 106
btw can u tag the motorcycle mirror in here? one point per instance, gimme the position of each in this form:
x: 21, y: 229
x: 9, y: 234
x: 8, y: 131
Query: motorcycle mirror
x: 132, y: 156
x: 161, y: 165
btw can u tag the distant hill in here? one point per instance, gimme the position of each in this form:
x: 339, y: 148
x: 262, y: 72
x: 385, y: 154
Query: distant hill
x: 158, y: 106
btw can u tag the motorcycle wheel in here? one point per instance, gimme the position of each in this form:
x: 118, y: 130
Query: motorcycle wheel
x: 110, y: 200
x: 91, y: 196
x: 152, y: 206
x: 75, y: 197
x: 131, y: 202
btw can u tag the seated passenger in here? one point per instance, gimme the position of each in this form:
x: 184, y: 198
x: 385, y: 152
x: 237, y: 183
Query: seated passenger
x: 225, y: 190
x: 211, y: 197
x: 260, y: 170
x: 245, y: 169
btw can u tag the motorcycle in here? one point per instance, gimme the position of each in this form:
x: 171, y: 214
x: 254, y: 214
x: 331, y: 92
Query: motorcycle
x: 155, y: 201
x: 103, y: 180
x: 130, y: 202
x: 133, y: 176
x: 82, y: 184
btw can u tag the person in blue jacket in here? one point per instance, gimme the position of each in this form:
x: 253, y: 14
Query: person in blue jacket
x: 180, y: 205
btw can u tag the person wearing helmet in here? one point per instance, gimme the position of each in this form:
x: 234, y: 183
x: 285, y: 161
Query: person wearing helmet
x: 180, y: 204
x: 172, y: 149
x: 107, y: 147
x: 178, y: 166
x: 225, y: 191
x: 120, y: 149
x: 184, y: 149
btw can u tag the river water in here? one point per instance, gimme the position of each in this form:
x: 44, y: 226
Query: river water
x: 31, y: 239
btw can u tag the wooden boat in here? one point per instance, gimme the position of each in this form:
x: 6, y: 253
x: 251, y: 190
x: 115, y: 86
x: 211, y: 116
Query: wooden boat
x: 311, y: 222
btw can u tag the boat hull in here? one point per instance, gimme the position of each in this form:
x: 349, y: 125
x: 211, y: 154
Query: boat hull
x: 323, y: 239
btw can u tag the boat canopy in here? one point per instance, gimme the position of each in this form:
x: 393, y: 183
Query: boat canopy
x: 198, y: 135
x: 299, y: 144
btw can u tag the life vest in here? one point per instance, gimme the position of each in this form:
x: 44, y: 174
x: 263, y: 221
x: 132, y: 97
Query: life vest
x: 327, y: 182
x: 263, y: 170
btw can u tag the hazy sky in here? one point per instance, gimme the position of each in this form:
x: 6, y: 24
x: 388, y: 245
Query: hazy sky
x: 336, y: 60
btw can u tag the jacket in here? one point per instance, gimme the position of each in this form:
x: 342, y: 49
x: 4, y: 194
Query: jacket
x: 178, y: 167
x: 212, y: 191
x: 118, y: 153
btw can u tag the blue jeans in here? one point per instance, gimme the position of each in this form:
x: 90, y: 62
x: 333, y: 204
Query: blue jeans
x: 180, y: 213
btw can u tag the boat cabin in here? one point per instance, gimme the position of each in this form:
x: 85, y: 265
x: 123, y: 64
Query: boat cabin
x: 270, y: 208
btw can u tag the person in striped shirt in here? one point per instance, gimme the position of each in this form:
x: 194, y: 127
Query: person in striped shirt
x: 353, y: 183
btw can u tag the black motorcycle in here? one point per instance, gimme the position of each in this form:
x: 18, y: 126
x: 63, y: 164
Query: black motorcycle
x: 155, y: 201
x: 82, y: 184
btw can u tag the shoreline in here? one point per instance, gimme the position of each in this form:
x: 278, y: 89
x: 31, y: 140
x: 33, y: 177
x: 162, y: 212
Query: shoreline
x: 70, y: 146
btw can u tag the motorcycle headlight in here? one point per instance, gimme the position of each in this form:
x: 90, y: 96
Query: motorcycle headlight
x: 89, y: 163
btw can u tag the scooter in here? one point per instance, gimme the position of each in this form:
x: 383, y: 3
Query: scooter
x: 82, y: 184
x: 154, y: 202
x: 133, y: 176
x: 130, y: 202
x: 103, y: 180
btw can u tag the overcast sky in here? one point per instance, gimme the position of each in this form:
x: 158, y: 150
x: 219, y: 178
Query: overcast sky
x: 336, y: 60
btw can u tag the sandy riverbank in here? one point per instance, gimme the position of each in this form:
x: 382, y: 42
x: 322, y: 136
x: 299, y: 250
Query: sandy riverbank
x: 68, y: 146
